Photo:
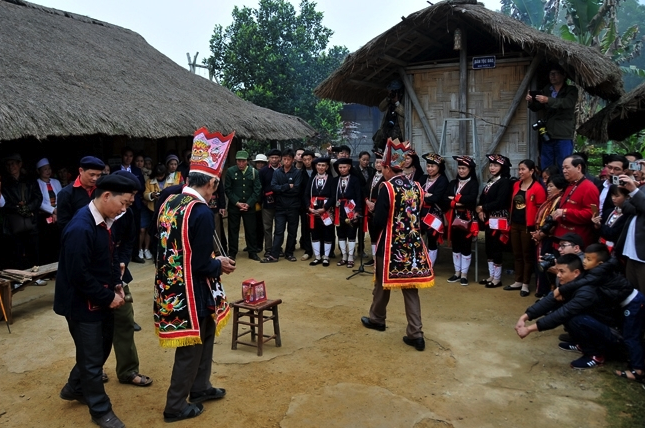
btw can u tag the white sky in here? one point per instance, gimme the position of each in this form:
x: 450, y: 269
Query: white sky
x: 177, y: 27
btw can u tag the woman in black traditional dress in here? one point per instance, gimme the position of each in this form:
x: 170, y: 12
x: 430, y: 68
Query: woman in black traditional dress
x: 492, y: 212
x: 462, y: 225
x: 318, y: 198
x: 348, y: 202
x: 412, y: 166
x: 373, y: 187
x: 434, y: 184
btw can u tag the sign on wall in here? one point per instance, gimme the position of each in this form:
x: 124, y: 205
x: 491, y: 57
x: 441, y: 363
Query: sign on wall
x: 480, y: 62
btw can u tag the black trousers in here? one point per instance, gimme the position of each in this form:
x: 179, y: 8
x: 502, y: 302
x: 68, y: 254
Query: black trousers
x: 287, y: 219
x: 305, y: 238
x: 93, y: 342
x: 494, y: 247
x: 192, y: 369
x: 235, y: 217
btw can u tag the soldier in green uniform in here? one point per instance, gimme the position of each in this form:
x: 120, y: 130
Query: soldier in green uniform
x: 242, y: 187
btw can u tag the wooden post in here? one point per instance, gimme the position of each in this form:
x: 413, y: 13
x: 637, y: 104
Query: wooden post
x: 409, y: 91
x: 463, y: 92
x: 517, y: 99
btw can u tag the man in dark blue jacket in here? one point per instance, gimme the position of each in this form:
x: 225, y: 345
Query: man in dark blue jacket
x: 78, y: 194
x: 127, y: 155
x: 285, y: 185
x: 87, y: 291
x: 580, y: 301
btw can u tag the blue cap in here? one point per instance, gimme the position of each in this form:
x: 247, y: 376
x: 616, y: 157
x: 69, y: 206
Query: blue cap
x: 116, y: 183
x: 130, y: 176
x: 91, y: 162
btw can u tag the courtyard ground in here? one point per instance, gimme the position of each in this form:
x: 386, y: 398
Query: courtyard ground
x: 330, y: 370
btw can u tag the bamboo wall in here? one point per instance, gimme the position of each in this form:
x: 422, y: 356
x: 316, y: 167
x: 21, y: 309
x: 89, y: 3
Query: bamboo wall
x: 490, y: 93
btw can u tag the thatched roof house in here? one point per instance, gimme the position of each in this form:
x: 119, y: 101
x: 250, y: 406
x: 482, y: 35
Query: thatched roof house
x: 619, y: 119
x: 426, y: 37
x: 69, y: 75
x: 466, y: 72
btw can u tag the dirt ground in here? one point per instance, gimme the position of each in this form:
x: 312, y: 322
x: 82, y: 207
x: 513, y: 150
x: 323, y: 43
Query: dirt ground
x: 330, y: 370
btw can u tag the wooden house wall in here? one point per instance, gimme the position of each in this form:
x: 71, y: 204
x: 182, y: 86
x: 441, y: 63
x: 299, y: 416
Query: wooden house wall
x: 490, y: 93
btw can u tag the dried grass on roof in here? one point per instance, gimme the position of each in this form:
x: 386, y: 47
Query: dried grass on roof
x: 65, y: 75
x: 427, y: 36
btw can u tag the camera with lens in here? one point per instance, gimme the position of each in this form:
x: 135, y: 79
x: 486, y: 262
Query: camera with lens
x: 547, y: 261
x: 540, y: 127
x: 549, y: 223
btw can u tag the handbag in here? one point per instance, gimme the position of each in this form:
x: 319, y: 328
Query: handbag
x: 461, y: 224
x: 17, y: 223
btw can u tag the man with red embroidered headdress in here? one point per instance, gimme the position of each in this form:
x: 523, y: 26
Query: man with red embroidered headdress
x: 402, y: 260
x: 190, y: 306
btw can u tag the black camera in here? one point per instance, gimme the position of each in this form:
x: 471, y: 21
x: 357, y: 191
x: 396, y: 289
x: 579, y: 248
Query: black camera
x: 549, y: 223
x: 547, y: 261
x: 540, y: 127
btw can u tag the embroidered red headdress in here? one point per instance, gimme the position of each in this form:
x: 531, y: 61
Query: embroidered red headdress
x: 394, y: 153
x: 209, y: 152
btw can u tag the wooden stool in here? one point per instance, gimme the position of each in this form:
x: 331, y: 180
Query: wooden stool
x: 256, y: 319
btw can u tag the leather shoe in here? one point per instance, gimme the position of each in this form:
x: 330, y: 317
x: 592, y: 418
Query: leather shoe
x: 108, y: 420
x: 254, y: 256
x: 511, y: 288
x: 67, y: 393
x: 419, y: 343
x: 190, y: 411
x: 209, y: 394
x: 137, y: 259
x: 137, y: 327
x: 369, y: 324
x: 524, y: 293
x: 493, y: 285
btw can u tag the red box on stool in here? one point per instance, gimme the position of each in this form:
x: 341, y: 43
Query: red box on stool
x: 254, y: 291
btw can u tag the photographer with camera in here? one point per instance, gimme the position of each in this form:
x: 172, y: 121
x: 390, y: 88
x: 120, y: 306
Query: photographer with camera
x: 575, y: 211
x: 631, y: 243
x: 557, y: 126
x: 615, y: 165
x: 393, y: 123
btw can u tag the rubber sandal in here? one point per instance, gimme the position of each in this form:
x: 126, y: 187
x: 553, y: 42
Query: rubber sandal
x: 131, y: 380
x: 269, y: 259
x: 104, y: 377
x: 640, y: 378
x: 350, y: 264
x: 341, y: 263
x: 210, y: 394
x: 190, y: 411
x: 291, y: 258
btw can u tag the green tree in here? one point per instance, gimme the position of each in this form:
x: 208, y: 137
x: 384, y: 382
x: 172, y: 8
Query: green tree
x: 275, y: 57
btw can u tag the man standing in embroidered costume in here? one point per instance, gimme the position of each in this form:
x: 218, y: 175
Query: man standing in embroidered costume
x: 401, y: 256
x: 189, y: 298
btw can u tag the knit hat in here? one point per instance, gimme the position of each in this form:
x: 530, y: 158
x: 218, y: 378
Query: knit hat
x: 172, y: 157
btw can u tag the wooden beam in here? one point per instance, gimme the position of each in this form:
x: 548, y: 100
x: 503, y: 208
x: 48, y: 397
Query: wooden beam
x: 463, y: 92
x: 394, y: 60
x: 427, y: 39
x: 364, y: 83
x: 409, y: 91
x: 517, y: 99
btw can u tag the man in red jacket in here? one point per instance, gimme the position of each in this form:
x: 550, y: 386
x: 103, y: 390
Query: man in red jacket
x: 574, y: 212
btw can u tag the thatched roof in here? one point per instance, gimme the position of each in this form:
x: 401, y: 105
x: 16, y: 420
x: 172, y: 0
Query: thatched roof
x: 426, y: 37
x: 64, y: 74
x: 619, y: 119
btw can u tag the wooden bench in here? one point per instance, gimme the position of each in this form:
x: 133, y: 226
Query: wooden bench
x: 256, y: 320
x: 25, y: 278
